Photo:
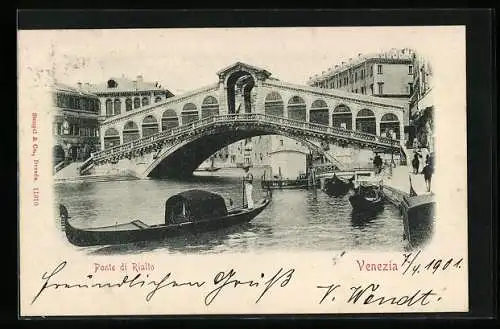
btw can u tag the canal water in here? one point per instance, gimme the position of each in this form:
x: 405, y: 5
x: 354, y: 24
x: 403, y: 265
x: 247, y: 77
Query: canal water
x: 295, y: 219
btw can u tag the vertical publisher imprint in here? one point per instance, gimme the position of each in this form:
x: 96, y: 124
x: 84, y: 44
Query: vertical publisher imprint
x: 34, y: 150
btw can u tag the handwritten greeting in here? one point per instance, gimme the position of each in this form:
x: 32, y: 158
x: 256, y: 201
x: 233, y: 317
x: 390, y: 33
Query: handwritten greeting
x: 143, y: 275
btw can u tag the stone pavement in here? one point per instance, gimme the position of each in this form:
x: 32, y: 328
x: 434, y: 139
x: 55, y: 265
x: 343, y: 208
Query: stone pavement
x: 70, y: 171
x: 400, y: 180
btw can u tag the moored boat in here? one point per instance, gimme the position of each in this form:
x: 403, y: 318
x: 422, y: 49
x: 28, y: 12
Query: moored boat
x: 209, y: 169
x: 336, y: 186
x: 367, y: 197
x: 192, y: 211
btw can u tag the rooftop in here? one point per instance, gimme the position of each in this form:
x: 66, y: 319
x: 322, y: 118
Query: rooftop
x: 61, y: 87
x: 404, y: 54
x: 123, y: 84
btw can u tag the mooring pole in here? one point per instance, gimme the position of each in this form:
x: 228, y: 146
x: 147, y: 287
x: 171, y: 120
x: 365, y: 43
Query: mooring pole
x: 313, y: 175
x: 243, y: 194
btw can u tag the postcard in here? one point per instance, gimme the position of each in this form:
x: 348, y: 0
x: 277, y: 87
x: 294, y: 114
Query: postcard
x: 192, y: 171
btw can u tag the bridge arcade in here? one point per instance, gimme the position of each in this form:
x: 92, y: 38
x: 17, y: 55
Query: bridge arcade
x: 248, y: 89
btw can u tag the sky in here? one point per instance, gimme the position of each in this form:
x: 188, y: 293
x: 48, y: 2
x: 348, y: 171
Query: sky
x: 185, y: 59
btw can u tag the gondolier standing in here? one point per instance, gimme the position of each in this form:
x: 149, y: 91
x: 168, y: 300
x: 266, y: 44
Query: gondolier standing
x: 248, y: 185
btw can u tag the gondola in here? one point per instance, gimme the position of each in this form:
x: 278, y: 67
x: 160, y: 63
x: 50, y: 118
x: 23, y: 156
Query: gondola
x: 209, y: 169
x: 192, y: 211
x: 367, y: 197
x: 336, y: 186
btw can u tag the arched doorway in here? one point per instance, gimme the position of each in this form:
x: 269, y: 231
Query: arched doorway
x: 169, y: 120
x: 365, y: 121
x: 109, y: 107
x: 389, y: 126
x: 128, y: 104
x: 111, y: 138
x: 319, y: 112
x: 342, y: 117
x: 130, y: 132
x: 273, y: 104
x: 137, y: 102
x: 117, y: 106
x: 239, y: 92
x: 189, y: 113
x: 149, y: 126
x: 297, y: 108
x: 209, y: 107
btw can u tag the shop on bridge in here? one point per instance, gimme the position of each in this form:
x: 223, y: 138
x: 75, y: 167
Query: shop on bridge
x: 366, y: 122
x: 169, y: 120
x: 319, y: 112
x: 342, y: 117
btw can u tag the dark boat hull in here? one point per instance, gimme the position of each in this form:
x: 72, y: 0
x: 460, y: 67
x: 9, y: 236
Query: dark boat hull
x: 91, y: 237
x: 209, y: 169
x: 360, y: 203
x: 337, y: 188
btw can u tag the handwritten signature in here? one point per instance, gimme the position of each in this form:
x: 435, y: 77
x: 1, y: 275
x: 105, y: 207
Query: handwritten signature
x: 370, y: 294
x: 222, y: 280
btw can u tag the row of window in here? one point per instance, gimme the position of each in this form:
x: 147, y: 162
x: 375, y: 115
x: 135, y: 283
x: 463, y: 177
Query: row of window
x: 77, y: 103
x: 344, y: 79
x: 75, y: 130
x: 114, y: 107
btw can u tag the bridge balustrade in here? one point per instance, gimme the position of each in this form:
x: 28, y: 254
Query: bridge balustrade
x: 244, y: 117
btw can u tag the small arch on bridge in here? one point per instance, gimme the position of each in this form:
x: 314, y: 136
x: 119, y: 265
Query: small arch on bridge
x: 149, y: 126
x: 137, y: 102
x: 366, y: 122
x: 118, y: 106
x: 109, y: 107
x: 130, y: 132
x: 189, y: 113
x: 342, y: 117
x: 128, y: 104
x: 239, y: 83
x: 297, y: 108
x: 145, y: 101
x: 209, y: 107
x: 111, y: 138
x: 273, y: 104
x: 389, y: 125
x: 169, y: 120
x: 319, y: 112
x: 157, y: 99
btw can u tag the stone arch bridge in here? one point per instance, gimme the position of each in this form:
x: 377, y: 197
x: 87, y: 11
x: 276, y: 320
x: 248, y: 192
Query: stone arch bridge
x: 175, y: 136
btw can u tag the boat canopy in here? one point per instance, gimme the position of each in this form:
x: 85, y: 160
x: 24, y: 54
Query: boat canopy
x: 195, y: 205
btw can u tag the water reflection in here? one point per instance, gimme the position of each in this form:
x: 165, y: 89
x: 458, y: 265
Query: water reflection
x: 295, y: 219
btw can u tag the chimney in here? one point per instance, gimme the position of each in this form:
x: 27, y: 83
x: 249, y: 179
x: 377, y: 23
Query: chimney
x: 135, y: 84
x: 79, y: 84
x: 139, y: 78
x: 336, y: 66
x: 359, y: 54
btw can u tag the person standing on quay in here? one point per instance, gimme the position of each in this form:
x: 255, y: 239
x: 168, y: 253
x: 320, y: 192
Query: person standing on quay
x: 415, y: 163
x: 428, y: 171
x: 248, y: 184
x: 377, y: 163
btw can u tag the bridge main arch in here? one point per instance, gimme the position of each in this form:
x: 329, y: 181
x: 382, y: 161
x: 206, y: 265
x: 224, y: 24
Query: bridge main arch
x: 183, y: 158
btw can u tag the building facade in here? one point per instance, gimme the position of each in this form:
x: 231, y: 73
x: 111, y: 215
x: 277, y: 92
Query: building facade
x: 422, y: 106
x: 388, y: 74
x: 75, y: 123
x: 120, y: 95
